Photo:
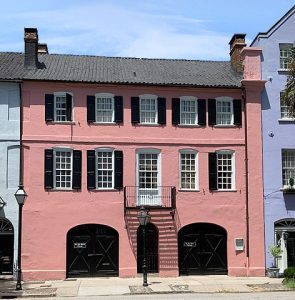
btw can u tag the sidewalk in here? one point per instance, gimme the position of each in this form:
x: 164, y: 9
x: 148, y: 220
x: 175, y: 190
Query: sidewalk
x: 125, y: 286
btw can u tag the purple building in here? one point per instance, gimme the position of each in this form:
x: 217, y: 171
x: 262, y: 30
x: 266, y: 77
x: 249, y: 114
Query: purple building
x: 278, y: 140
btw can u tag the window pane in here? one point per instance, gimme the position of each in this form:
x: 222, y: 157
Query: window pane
x: 60, y: 108
x: 188, y: 171
x: 188, y: 112
x: 285, y: 111
x: 148, y: 171
x: 63, y: 169
x: 224, y: 114
x: 104, y: 169
x: 148, y: 110
x: 288, y: 165
x: 285, y: 56
x: 104, y: 110
x: 224, y: 171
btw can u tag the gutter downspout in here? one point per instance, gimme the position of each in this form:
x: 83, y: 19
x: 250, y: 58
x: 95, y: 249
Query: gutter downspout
x: 20, y: 136
x: 244, y: 97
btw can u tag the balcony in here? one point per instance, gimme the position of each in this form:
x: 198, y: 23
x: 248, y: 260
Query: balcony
x: 160, y: 197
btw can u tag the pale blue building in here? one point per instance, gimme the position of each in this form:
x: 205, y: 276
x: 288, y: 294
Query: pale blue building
x: 9, y: 173
x: 278, y: 140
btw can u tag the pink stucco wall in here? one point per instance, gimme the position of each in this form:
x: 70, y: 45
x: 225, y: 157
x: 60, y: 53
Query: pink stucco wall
x: 48, y: 215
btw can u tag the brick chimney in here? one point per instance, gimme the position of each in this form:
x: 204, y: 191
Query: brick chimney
x: 42, y: 49
x: 237, y: 43
x: 31, y: 48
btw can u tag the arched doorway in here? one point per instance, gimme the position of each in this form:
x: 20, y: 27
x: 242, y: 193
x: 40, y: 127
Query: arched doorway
x: 285, y: 238
x: 92, y: 251
x: 202, y: 249
x: 6, y: 247
x: 151, y: 246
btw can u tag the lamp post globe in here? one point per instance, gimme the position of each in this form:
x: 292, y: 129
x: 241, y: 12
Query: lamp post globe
x: 20, y: 196
x: 143, y: 219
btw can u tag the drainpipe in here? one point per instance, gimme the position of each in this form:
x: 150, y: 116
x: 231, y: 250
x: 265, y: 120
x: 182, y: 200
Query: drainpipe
x: 244, y: 97
x: 20, y: 135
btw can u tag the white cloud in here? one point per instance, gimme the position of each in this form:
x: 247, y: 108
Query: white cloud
x: 108, y: 29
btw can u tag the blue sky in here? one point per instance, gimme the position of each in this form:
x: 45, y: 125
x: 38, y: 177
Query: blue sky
x: 189, y: 29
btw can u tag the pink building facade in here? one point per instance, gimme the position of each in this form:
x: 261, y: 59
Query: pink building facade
x: 95, y: 152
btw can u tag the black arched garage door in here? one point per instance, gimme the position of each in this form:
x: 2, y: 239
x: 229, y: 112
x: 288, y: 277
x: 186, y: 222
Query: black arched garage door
x: 92, y: 251
x: 202, y: 249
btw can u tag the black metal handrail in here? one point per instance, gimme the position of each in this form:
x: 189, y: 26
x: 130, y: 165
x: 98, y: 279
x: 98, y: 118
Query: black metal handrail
x: 161, y: 196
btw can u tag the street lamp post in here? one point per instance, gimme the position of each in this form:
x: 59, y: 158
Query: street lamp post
x: 144, y: 218
x: 20, y: 196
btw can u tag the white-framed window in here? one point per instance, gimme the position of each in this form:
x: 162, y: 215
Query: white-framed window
x: 188, y: 110
x: 104, y: 108
x: 225, y: 170
x: 224, y: 111
x: 62, y: 166
x: 148, y: 177
x: 104, y: 168
x: 285, y: 55
x: 188, y: 166
x: 63, y: 107
x: 285, y: 111
x: 288, y: 165
x: 148, y: 107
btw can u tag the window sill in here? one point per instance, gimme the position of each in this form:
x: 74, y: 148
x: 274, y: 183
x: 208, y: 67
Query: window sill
x: 283, y: 70
x: 62, y: 190
x: 220, y: 191
x: 103, y: 190
x: 149, y: 125
x: 286, y: 120
x: 189, y: 125
x: 61, y: 122
x: 103, y: 124
x: 225, y: 126
x: 288, y: 190
x: 187, y: 190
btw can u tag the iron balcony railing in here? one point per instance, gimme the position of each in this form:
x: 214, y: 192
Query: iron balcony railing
x: 161, y: 196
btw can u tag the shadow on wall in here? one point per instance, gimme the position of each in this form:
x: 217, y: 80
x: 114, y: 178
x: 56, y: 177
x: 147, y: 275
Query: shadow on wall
x: 265, y: 105
x: 289, y: 201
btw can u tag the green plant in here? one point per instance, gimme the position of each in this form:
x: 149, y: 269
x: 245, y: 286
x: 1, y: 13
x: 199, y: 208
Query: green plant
x: 275, y: 251
x: 289, y: 273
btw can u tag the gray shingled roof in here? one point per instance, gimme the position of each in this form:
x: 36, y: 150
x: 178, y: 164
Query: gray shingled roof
x: 98, y: 69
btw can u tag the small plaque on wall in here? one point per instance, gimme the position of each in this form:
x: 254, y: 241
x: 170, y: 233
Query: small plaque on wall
x: 239, y: 244
x: 79, y: 245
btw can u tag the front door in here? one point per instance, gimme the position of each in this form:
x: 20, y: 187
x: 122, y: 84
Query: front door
x: 291, y: 249
x: 151, y: 246
x: 202, y: 249
x: 92, y: 251
x: 6, y: 247
x: 148, y: 179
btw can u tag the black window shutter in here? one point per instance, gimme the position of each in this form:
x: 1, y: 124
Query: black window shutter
x: 48, y: 169
x: 118, y: 109
x: 212, y: 171
x: 69, y: 106
x: 91, y: 170
x: 77, y: 166
x: 162, y: 111
x: 211, y: 112
x: 118, y: 170
x: 135, y: 110
x: 90, y: 109
x: 49, y: 107
x: 202, y: 112
x: 175, y: 111
x: 237, y: 103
